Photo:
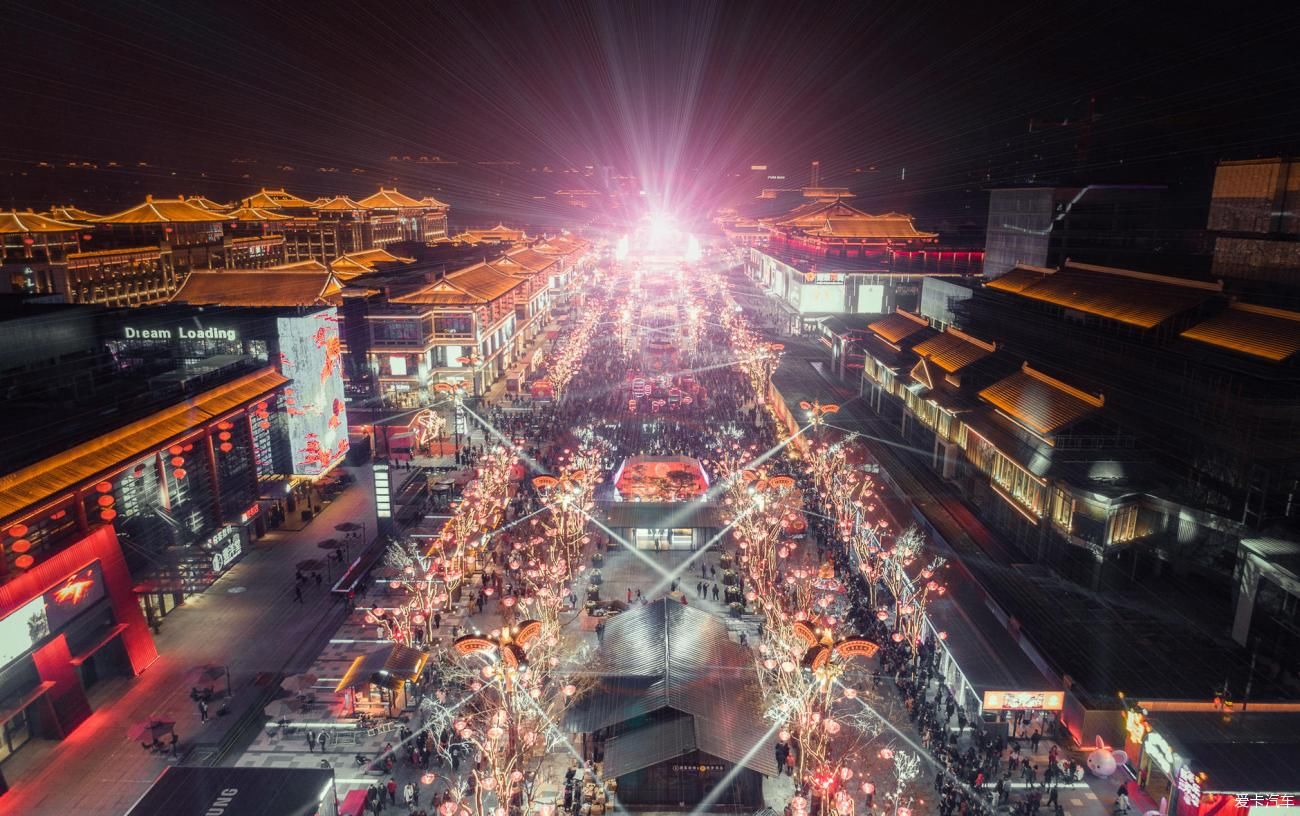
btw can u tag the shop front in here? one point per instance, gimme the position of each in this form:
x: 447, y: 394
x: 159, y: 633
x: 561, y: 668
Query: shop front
x: 187, y: 571
x: 65, y: 625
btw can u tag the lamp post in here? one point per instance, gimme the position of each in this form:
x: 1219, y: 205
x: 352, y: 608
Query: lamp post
x: 817, y: 413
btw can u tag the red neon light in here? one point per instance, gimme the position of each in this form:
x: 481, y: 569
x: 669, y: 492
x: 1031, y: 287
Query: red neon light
x: 73, y: 591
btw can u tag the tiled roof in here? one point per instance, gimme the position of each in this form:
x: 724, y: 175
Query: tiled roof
x: 359, y: 263
x: 162, y: 211
x: 259, y: 287
x: 430, y: 201
x: 888, y: 225
x: 246, y: 213
x: 50, y: 477
x: 337, y: 203
x: 484, y: 281
x: 388, y: 200
x: 275, y: 199
x: 1041, y: 403
x: 814, y: 213
x: 207, y: 203
x: 1134, y: 298
x: 1019, y: 277
x: 441, y: 292
x: 71, y: 214
x: 12, y: 223
x: 1271, y: 334
x: 898, y: 326
x: 311, y: 264
x: 953, y: 350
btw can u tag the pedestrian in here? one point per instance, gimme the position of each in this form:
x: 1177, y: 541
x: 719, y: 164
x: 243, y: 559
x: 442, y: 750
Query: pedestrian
x: 600, y: 632
x: 392, y: 791
x: 297, y: 593
x: 408, y: 794
x: 203, y: 710
x: 1121, y: 799
x: 1033, y: 741
x: 311, y: 742
x: 715, y: 592
x: 629, y: 596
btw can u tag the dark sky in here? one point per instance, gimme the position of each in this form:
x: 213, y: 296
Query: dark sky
x: 680, y: 94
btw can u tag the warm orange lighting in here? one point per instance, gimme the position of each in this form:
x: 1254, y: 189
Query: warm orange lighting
x: 73, y: 591
x: 24, y: 561
x: 22, y: 545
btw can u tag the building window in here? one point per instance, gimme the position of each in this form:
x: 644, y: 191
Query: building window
x: 1062, y: 509
x: 1122, y: 527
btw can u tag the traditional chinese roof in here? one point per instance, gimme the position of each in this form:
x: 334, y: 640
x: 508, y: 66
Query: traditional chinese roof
x: 441, y: 292
x: 247, y: 213
x: 888, y: 225
x: 526, y: 260
x: 1041, y: 403
x: 309, y: 265
x: 898, y: 326
x: 1259, y: 331
x: 265, y: 199
x: 389, y: 200
x: 433, y: 203
x: 1134, y: 298
x: 207, y: 203
x: 953, y: 350
x: 13, y: 222
x: 814, y: 213
x: 1019, y: 278
x: 71, y: 214
x: 49, y: 477
x: 259, y: 287
x: 337, y: 204
x: 359, y: 263
x: 498, y: 233
x: 162, y: 211
x: 485, y: 281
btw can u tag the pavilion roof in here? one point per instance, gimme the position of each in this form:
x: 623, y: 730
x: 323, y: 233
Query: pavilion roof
x: 953, y: 350
x: 485, y: 281
x: 433, y: 203
x: 207, y: 203
x: 359, y: 263
x: 49, y: 477
x: 1019, y: 278
x: 888, y: 225
x: 898, y: 326
x: 498, y: 233
x: 1041, y: 403
x: 337, y: 204
x: 162, y: 211
x: 259, y: 287
x: 14, y: 222
x: 247, y: 213
x: 70, y: 214
x: 1259, y: 331
x: 815, y: 214
x: 441, y: 292
x: 389, y: 200
x: 265, y: 199
x: 1135, y: 298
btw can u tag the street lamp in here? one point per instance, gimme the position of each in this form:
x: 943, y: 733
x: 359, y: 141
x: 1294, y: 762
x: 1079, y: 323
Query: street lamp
x: 817, y: 412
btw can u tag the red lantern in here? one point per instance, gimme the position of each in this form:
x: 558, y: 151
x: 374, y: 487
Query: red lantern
x: 24, y: 561
x: 177, y: 461
x: 104, y: 487
x: 28, y: 240
x: 108, y: 515
x: 86, y: 236
x: 179, y: 473
x: 188, y: 447
x: 175, y: 450
x: 22, y: 545
x: 105, y: 501
x: 224, y: 436
x: 226, y: 447
x: 264, y: 424
x: 18, y: 530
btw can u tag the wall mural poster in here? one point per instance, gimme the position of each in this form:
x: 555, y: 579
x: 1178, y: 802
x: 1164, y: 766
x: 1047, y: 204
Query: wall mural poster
x: 310, y: 355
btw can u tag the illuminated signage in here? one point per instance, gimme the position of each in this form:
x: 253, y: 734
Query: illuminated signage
x: 1023, y: 700
x: 383, y: 492
x: 180, y: 333
x: 75, y: 594
x: 1161, y: 753
x: 226, y: 547
x: 311, y: 355
x: 1137, y: 727
x: 1188, y: 786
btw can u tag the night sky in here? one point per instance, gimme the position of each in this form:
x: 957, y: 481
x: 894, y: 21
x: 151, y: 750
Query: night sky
x: 222, y: 97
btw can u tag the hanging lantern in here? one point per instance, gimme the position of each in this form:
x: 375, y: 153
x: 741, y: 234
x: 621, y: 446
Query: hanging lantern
x: 846, y: 773
x: 24, y: 561
x: 897, y: 637
x: 179, y: 473
x: 104, y: 487
x: 18, y: 530
x: 175, y: 450
x: 868, y: 788
x: 104, y: 501
x: 226, y: 447
x: 22, y: 545
x: 108, y: 515
x: 177, y: 461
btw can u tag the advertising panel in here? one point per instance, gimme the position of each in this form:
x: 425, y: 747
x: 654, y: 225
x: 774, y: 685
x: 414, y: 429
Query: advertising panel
x: 23, y: 629
x: 74, y: 595
x: 310, y: 354
x: 1023, y: 700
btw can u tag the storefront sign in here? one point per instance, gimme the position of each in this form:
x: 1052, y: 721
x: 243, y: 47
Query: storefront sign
x: 23, y: 629
x: 226, y: 547
x: 1023, y: 701
x: 699, y: 769
x: 249, y: 514
x: 1161, y: 753
x: 1137, y: 727
x: 1188, y: 786
x: 179, y: 333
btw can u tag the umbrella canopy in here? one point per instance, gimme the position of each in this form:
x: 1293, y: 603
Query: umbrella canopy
x: 310, y: 564
x: 150, y: 729
x: 205, y: 673
x: 331, y: 544
x: 347, y: 527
